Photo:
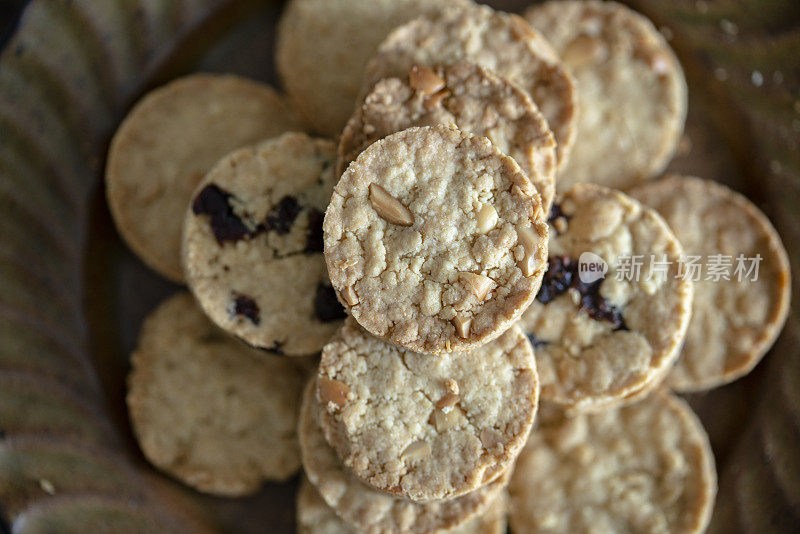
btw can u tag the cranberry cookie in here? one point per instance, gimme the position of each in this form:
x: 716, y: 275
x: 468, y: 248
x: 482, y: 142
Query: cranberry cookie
x: 613, y: 310
x: 252, y: 245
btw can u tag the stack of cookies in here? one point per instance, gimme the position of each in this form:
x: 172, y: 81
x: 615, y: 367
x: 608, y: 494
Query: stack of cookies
x: 501, y: 295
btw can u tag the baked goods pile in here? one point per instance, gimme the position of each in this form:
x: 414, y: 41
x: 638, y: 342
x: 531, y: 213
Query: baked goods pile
x: 474, y: 302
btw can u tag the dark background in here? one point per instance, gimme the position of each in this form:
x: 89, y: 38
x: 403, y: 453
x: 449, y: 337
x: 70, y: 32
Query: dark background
x: 9, y: 13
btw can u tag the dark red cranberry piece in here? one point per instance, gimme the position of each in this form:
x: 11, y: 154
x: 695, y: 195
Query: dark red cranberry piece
x: 226, y: 225
x: 246, y: 307
x: 326, y: 306
x: 282, y: 216
x: 598, y: 307
x: 536, y: 342
x: 561, y: 271
x: 314, y: 242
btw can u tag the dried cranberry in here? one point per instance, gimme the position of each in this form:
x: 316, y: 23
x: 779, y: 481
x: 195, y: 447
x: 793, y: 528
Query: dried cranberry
x: 247, y: 307
x: 326, y: 306
x: 314, y: 242
x: 281, y: 218
x: 226, y: 225
x: 536, y: 342
x: 562, y: 274
x: 561, y: 271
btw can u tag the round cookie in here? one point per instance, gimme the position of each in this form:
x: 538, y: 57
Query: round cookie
x: 435, y: 240
x: 165, y: 145
x: 632, y: 91
x: 501, y: 42
x: 324, y: 45
x: 369, y: 510
x: 395, y: 417
x: 208, y: 410
x: 467, y: 97
x: 647, y: 467
x: 733, y: 322
x: 252, y: 245
x: 601, y: 331
x: 314, y: 516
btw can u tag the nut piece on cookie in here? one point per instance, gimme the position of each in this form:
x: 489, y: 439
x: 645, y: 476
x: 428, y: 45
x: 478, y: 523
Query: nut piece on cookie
x: 633, y: 94
x: 408, y: 249
x: 613, y: 309
x: 252, y: 245
x: 468, y: 97
x: 726, y: 338
x: 186, y: 391
x: 407, y: 412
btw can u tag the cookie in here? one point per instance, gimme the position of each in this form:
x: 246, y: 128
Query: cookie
x: 165, y: 145
x: 372, y: 511
x: 600, y: 329
x: 501, y: 42
x: 215, y: 414
x: 252, y: 244
x: 735, y: 321
x: 632, y: 91
x: 647, y: 467
x: 314, y: 516
x: 395, y: 417
x: 468, y: 97
x: 324, y: 45
x: 435, y: 240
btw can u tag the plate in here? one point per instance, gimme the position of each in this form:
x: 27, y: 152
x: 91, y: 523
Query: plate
x: 72, y: 297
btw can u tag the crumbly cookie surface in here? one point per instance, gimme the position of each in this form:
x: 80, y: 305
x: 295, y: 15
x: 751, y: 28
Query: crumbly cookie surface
x: 733, y: 322
x: 501, y: 42
x: 395, y: 417
x: 314, y: 516
x: 435, y: 240
x: 468, y: 97
x: 372, y: 511
x: 170, y: 139
x: 632, y: 91
x: 324, y: 45
x: 210, y: 411
x: 647, y: 467
x: 253, y: 244
x: 599, y: 340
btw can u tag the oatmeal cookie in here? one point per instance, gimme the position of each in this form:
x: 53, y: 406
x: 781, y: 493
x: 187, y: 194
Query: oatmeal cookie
x: 435, y: 240
x: 632, y: 91
x: 396, y: 417
x: 314, y: 516
x: 208, y: 410
x: 468, y: 97
x: 734, y: 322
x: 502, y: 42
x: 165, y: 145
x: 613, y: 310
x: 647, y: 467
x: 324, y: 45
x: 369, y: 510
x: 252, y: 245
